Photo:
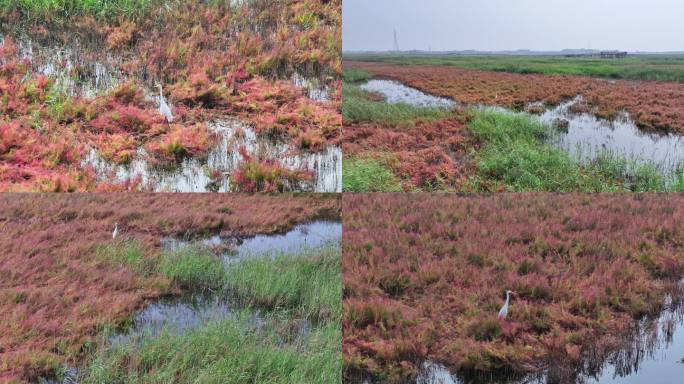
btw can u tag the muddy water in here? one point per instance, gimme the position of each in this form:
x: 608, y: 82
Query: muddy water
x: 652, y: 353
x: 195, y: 175
x: 586, y: 137
x: 395, y: 93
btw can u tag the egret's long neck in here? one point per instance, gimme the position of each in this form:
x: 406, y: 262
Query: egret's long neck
x: 160, y: 92
x: 508, y: 297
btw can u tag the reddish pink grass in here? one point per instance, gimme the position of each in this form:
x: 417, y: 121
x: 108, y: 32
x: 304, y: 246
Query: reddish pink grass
x: 425, y: 153
x: 425, y: 275
x: 256, y: 175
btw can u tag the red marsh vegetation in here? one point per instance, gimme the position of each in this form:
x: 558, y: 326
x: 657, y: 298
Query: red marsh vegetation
x: 431, y: 153
x: 56, y: 293
x: 424, y: 277
x: 653, y: 105
x: 214, y: 61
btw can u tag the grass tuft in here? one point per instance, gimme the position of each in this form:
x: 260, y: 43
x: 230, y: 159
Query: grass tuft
x: 307, y: 283
x: 193, y: 267
x: 368, y: 175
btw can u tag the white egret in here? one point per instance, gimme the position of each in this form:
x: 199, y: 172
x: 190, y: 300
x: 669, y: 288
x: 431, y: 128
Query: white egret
x: 116, y: 231
x: 504, y: 310
x: 163, y: 107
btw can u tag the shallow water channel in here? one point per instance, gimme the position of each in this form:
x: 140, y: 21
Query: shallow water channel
x: 177, y: 315
x: 583, y: 135
x: 652, y: 353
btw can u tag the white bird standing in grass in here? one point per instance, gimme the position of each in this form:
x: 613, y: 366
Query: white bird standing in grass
x: 504, y: 310
x: 116, y: 231
x: 163, y: 107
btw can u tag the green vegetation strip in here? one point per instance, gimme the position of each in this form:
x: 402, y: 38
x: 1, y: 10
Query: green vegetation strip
x: 103, y: 9
x: 642, y: 67
x: 304, y: 286
x: 368, y: 175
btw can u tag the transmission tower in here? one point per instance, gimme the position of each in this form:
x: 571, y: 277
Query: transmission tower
x: 396, y: 41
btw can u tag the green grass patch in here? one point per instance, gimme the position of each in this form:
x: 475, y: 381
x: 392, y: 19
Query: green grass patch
x: 368, y: 175
x: 129, y: 253
x: 642, y: 67
x: 227, y: 351
x: 64, y: 9
x: 515, y: 153
x: 355, y: 76
x: 357, y: 107
x: 306, y: 283
x: 193, y: 267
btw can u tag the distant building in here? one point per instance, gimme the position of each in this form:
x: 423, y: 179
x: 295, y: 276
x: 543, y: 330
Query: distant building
x: 613, y: 54
x: 602, y: 54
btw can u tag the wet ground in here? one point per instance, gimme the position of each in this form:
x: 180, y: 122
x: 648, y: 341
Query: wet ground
x: 196, y: 175
x: 583, y: 135
x: 652, y: 353
x: 84, y: 72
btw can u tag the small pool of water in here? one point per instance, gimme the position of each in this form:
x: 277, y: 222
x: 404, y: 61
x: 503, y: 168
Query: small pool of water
x: 195, y: 175
x: 301, y: 237
x: 586, y: 136
x: 396, y: 92
x: 583, y: 135
x: 176, y: 316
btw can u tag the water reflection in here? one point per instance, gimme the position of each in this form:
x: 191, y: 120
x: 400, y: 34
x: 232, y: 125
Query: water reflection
x: 301, y: 237
x: 586, y: 137
x: 77, y: 71
x: 396, y: 92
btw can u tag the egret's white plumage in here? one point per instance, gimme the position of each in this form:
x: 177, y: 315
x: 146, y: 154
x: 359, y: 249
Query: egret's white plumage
x: 163, y: 107
x: 116, y: 230
x: 504, y: 310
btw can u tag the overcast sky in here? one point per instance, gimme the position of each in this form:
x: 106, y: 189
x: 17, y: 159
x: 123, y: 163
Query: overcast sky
x: 645, y: 25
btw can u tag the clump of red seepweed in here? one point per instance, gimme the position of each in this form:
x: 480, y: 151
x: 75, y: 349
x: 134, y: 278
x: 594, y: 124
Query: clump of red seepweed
x: 255, y: 175
x: 429, y: 154
x: 435, y: 268
x: 179, y: 143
